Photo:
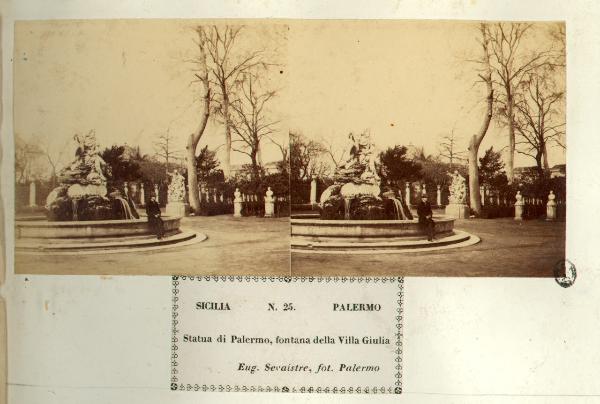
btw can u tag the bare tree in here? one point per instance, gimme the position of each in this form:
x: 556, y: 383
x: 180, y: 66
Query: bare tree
x: 163, y: 148
x: 54, y: 158
x: 249, y: 120
x: 306, y: 158
x: 337, y: 153
x: 26, y: 154
x: 194, y: 138
x: 536, y: 120
x: 475, y: 141
x: 448, y: 148
x: 38, y: 158
x: 558, y: 35
x: 227, y: 68
x: 284, y: 148
x: 511, y: 65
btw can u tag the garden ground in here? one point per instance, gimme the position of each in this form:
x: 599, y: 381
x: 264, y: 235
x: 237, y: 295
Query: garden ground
x: 507, y: 248
x: 246, y: 245
x: 260, y: 246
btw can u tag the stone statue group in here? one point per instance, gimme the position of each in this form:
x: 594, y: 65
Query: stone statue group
x: 82, y: 192
x: 357, y: 187
x: 458, y: 188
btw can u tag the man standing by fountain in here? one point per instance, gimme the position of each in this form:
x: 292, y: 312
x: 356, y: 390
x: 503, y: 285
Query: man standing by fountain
x: 154, y: 220
x: 426, y: 217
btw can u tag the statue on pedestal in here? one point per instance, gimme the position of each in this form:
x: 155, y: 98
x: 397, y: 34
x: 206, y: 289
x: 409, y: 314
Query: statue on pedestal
x: 457, y: 206
x: 519, y: 206
x: 269, y: 203
x: 458, y: 188
x: 176, y: 205
x: 176, y: 191
x: 551, y: 207
x: 237, y: 203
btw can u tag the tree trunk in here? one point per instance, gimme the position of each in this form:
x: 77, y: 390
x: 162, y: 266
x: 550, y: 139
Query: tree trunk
x: 259, y: 155
x: 510, y: 173
x: 540, y: 157
x: 258, y: 191
x: 253, y: 159
x: 227, y: 161
x: 190, y: 148
x: 474, y: 195
x: 194, y: 138
x: 545, y: 153
x: 538, y: 162
x: 192, y: 175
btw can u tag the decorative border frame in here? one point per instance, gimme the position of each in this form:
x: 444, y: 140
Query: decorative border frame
x: 176, y: 385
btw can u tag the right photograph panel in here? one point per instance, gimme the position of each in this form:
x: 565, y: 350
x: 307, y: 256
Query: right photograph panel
x: 427, y: 148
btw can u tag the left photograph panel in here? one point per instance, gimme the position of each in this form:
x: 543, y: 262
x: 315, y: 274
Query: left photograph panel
x: 151, y: 147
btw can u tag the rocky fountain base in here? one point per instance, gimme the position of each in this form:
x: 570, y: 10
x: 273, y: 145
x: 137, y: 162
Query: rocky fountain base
x: 40, y: 236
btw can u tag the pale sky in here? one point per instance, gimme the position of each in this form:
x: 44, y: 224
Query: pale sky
x: 128, y: 80
x: 406, y: 81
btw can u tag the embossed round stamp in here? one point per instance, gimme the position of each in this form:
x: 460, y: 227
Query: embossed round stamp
x: 565, y: 273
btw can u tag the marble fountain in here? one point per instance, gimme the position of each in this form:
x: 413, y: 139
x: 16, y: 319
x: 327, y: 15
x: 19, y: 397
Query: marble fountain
x: 357, y: 218
x: 84, y: 217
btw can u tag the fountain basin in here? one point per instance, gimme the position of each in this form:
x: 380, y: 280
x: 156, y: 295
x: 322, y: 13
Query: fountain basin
x: 38, y: 236
x: 42, y: 228
x: 311, y: 234
x: 362, y: 230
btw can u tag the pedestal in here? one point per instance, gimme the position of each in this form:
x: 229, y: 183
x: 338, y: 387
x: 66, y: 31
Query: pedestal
x: 32, y: 194
x: 179, y: 209
x: 237, y: 208
x: 457, y: 210
x: 519, y: 211
x: 142, y: 195
x: 551, y: 212
x: 269, y: 208
x: 313, y: 192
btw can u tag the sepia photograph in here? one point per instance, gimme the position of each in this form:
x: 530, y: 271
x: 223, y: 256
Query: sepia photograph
x: 151, y: 147
x: 291, y: 147
x: 428, y: 148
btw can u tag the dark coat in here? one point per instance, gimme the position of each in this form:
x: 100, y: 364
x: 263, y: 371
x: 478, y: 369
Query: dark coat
x: 154, y: 221
x: 424, y: 210
x: 152, y: 209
